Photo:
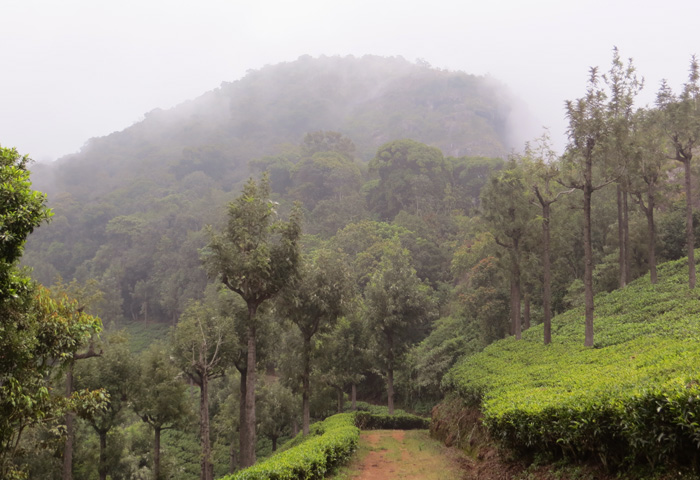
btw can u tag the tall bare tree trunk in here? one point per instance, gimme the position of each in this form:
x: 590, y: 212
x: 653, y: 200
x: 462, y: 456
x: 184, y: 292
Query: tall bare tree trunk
x: 689, y: 233
x: 588, y: 261
x: 156, y: 452
x: 526, y: 311
x: 547, y: 276
x: 622, y: 256
x: 102, y: 467
x: 68, y: 446
x: 242, y: 424
x: 353, y: 396
x: 515, y: 306
x: 231, y: 458
x: 626, y: 236
x: 248, y: 450
x: 649, y: 211
x: 341, y: 399
x: 390, y: 375
x: 207, y: 467
x: 305, y: 390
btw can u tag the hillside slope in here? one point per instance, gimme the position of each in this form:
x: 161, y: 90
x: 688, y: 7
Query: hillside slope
x: 634, y: 397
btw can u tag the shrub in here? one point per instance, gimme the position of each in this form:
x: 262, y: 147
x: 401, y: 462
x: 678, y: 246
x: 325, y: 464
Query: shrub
x: 634, y: 397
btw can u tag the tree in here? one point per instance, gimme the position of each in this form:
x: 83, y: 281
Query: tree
x: 681, y: 122
x: 506, y: 209
x: 203, y: 346
x: 412, y: 177
x: 38, y: 334
x: 255, y: 256
x: 624, y: 85
x: 276, y: 411
x: 399, y: 310
x: 543, y: 170
x: 588, y: 132
x: 649, y: 166
x: 314, y: 303
x: 160, y: 398
x: 113, y: 371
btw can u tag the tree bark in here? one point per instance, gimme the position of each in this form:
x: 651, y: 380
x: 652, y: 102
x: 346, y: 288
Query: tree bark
x: 248, y: 450
x: 626, y: 236
x: 242, y: 424
x: 207, y: 467
x: 341, y: 398
x: 306, y: 388
x: 651, y: 200
x: 689, y: 234
x: 156, y: 452
x: 390, y: 375
x: 68, y: 446
x: 274, y: 444
x: 231, y: 458
x: 515, y: 306
x: 547, y: 275
x: 622, y: 254
x: 102, y: 467
x: 526, y: 311
x: 353, y: 396
x: 588, y: 260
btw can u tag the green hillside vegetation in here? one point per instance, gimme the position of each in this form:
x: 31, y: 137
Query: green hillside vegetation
x: 634, y: 397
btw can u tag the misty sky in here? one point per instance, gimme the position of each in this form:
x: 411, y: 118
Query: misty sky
x: 76, y: 69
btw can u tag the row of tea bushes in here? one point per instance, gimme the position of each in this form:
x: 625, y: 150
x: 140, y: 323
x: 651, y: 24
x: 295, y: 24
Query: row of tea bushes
x: 634, y: 397
x: 331, y: 443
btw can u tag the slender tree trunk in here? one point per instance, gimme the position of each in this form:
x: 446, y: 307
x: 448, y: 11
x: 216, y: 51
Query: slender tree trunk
x: 626, y: 236
x: 102, y: 467
x: 341, y: 398
x: 242, y: 424
x: 274, y: 444
x: 156, y: 452
x: 232, y: 458
x: 353, y: 396
x: 295, y: 427
x: 305, y: 389
x: 390, y: 375
x: 588, y: 260
x: 68, y: 446
x: 207, y: 467
x: 248, y: 452
x: 651, y: 200
x: 622, y: 256
x: 526, y: 311
x: 689, y: 234
x: 515, y: 308
x: 547, y: 276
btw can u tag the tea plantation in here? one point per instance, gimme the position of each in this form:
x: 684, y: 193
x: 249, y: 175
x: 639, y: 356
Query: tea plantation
x: 632, y: 398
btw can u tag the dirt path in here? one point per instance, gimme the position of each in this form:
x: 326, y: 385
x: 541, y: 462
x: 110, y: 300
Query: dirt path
x: 398, y: 454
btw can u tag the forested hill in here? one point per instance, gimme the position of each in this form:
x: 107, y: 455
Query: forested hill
x: 371, y: 100
x: 130, y: 207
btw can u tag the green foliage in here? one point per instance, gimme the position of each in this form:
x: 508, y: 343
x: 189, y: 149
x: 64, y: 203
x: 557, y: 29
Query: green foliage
x: 332, y: 443
x: 398, y: 421
x: 633, y: 397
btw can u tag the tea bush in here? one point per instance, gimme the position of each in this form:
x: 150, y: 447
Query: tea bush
x: 634, y: 397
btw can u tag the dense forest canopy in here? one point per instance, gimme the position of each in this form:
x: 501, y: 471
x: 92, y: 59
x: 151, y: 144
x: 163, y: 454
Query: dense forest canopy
x: 340, y: 227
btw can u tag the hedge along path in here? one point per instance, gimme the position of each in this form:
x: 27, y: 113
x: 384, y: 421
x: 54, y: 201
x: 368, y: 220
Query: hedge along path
x: 401, y: 454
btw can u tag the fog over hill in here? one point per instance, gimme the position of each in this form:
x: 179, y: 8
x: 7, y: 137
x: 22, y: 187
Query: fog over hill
x: 370, y: 99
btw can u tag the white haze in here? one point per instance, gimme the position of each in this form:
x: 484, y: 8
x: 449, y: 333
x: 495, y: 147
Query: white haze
x: 76, y: 69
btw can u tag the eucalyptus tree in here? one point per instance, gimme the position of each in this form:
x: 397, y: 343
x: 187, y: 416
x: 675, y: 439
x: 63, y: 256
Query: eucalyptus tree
x: 584, y: 168
x: 650, y: 169
x: 680, y: 117
x: 506, y: 210
x: 542, y: 171
x: 255, y: 256
x: 314, y: 302
x: 203, y: 346
x: 624, y: 85
x: 113, y: 371
x: 399, y: 309
x: 160, y: 398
